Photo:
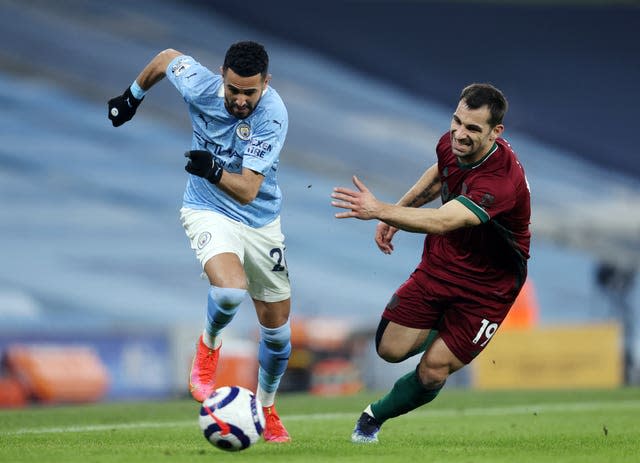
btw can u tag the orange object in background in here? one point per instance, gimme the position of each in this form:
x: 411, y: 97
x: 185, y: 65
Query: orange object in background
x: 237, y: 370
x: 335, y: 376
x: 238, y: 365
x: 525, y: 311
x: 299, y: 337
x: 56, y: 373
x: 12, y: 394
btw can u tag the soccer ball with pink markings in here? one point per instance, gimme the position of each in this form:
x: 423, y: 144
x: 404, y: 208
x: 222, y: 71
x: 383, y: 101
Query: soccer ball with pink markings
x: 232, y: 418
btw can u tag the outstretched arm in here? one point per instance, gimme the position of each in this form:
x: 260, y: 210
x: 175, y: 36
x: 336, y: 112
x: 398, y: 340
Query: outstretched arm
x: 425, y: 190
x: 122, y: 108
x: 362, y: 204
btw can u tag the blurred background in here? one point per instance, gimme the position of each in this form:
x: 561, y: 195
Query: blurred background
x: 100, y: 295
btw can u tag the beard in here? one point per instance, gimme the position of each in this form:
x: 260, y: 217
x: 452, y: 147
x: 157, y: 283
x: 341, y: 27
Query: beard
x: 239, y: 112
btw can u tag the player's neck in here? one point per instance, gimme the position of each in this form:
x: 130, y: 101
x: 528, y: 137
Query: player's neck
x: 471, y: 161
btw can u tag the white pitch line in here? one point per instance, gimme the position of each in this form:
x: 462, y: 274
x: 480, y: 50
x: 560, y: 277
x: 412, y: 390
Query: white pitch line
x: 434, y: 413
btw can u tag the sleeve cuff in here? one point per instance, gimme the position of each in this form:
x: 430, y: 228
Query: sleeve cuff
x: 137, y: 91
x: 473, y: 207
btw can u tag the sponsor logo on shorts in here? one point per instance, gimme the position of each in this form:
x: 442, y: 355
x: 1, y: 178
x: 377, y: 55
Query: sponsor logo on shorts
x: 203, y: 239
x: 243, y: 131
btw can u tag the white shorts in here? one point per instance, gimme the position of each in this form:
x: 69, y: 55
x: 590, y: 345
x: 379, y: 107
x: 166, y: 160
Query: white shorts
x: 261, y: 250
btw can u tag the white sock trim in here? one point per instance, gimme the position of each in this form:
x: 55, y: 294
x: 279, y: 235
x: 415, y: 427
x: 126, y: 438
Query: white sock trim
x: 266, y: 398
x: 211, y: 343
x: 368, y: 411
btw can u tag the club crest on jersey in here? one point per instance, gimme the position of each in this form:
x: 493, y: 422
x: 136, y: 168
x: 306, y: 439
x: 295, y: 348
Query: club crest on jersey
x: 487, y: 200
x: 203, y: 239
x: 243, y: 131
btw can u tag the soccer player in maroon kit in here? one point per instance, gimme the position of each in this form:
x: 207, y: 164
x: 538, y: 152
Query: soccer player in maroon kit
x: 474, y: 261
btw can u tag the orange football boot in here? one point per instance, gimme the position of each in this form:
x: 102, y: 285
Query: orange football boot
x: 274, y: 430
x: 202, y: 379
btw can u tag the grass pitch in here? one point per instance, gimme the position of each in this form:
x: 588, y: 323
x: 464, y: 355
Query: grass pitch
x: 459, y: 426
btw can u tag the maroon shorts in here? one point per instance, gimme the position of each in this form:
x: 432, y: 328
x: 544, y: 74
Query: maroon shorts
x: 466, y: 325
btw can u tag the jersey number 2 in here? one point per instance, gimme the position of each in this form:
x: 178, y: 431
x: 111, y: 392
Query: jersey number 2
x: 278, y: 267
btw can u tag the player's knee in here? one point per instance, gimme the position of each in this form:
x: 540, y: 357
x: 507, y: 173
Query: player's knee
x: 385, y: 350
x: 227, y: 298
x: 432, y: 375
x: 278, y: 338
x: 391, y: 353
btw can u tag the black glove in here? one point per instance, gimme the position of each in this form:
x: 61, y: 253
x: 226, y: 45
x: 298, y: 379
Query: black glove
x: 123, y: 107
x: 202, y: 164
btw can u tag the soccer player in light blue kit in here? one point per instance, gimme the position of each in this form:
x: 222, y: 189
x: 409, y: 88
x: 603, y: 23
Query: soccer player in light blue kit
x: 231, y: 205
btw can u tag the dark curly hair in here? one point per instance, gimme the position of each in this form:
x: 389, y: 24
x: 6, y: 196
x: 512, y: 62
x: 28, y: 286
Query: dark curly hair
x: 247, y: 59
x: 479, y: 95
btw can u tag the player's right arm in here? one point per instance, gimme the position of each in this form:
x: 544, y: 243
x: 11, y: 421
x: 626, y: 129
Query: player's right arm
x: 156, y: 70
x: 122, y: 108
x: 363, y: 205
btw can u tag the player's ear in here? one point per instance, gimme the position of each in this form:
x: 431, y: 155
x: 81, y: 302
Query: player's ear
x: 497, y: 130
x: 266, y: 80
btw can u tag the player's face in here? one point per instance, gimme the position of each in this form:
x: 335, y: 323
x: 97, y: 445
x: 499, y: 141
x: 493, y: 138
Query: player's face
x: 471, y: 134
x: 242, y: 94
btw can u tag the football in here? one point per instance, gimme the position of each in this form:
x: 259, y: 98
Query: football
x: 232, y: 418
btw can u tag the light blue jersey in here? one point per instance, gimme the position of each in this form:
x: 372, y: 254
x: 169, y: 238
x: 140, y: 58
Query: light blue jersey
x: 254, y: 142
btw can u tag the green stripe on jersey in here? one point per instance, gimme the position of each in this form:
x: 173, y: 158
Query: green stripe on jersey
x: 473, y: 207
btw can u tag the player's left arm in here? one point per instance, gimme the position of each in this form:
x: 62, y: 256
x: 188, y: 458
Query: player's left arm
x: 242, y: 187
x: 362, y: 204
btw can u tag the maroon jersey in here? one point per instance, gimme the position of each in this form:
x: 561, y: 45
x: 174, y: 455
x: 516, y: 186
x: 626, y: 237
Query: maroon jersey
x: 488, y: 261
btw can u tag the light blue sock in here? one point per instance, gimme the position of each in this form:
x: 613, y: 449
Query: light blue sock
x: 273, y: 355
x: 222, y: 305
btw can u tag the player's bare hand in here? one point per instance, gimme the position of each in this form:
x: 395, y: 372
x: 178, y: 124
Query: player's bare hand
x: 384, y: 235
x: 361, y: 204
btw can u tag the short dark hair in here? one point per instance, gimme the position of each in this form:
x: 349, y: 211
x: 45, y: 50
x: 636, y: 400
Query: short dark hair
x: 247, y: 59
x: 479, y: 95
